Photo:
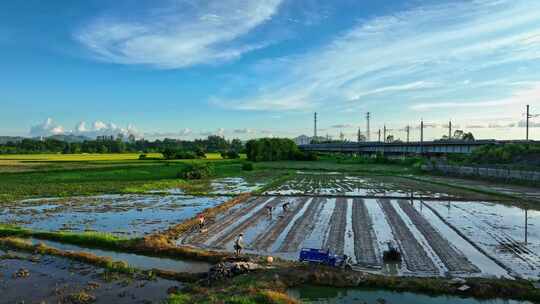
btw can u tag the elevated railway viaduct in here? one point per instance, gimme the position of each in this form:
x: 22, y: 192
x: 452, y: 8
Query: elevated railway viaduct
x: 425, y: 147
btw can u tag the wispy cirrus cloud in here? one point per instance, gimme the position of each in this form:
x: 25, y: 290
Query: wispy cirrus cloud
x: 420, y: 55
x: 177, y: 34
x: 522, y: 97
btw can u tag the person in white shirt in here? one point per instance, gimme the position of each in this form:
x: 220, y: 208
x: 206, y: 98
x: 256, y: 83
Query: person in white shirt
x: 239, y: 244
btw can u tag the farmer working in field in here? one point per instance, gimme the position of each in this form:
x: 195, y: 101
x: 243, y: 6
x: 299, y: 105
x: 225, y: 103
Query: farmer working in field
x: 286, y: 206
x: 269, y: 210
x: 201, y: 222
x: 239, y: 244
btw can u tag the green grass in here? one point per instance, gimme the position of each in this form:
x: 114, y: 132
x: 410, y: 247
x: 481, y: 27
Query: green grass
x: 178, y: 299
x: 94, y: 239
x: 131, y: 176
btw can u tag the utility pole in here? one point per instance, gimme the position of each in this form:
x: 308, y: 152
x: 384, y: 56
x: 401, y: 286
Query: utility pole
x: 422, y: 131
x: 527, y: 124
x: 529, y: 116
x: 422, y: 137
x: 367, y: 126
x: 408, y: 129
x: 315, y: 126
x: 379, y: 135
x: 449, y: 130
x: 384, y: 132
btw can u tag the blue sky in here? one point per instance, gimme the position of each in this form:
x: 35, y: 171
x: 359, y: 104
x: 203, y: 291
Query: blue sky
x: 244, y: 69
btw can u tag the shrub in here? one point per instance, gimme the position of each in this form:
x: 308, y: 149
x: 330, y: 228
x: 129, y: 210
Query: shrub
x: 306, y: 156
x: 233, y: 154
x: 178, y: 154
x: 196, y: 171
x: 247, y: 166
x: 200, y: 152
x: 142, y: 156
x: 185, y: 155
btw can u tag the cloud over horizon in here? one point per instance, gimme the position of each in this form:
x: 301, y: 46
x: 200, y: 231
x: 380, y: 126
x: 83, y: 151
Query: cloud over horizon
x: 99, y: 128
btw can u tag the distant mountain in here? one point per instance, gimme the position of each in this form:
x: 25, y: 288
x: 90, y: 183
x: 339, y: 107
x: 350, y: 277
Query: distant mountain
x: 6, y: 139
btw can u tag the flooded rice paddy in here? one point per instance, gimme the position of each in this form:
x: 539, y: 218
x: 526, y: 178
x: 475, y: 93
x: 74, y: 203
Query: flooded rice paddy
x: 327, y: 295
x: 436, y: 238
x: 233, y: 185
x: 50, y: 279
x: 336, y: 184
x: 438, y: 233
x: 123, y: 215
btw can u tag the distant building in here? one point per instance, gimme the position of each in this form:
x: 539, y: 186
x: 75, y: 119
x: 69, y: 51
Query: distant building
x: 302, y: 140
x: 306, y: 140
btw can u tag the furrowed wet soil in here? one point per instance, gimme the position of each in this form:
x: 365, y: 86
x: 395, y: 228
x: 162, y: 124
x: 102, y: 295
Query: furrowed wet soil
x: 415, y: 256
x: 365, y: 240
x: 297, y: 234
x: 266, y: 239
x: 454, y: 259
x: 335, y: 240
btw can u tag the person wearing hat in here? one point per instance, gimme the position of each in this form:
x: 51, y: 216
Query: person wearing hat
x: 239, y: 244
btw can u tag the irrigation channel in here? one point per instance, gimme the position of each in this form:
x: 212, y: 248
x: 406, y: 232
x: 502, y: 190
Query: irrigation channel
x: 328, y: 295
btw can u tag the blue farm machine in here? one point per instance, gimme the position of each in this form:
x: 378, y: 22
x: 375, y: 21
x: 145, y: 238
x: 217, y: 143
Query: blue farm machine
x: 324, y: 257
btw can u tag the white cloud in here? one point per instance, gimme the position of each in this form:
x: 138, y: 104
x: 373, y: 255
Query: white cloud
x: 219, y: 132
x: 178, y: 34
x: 49, y: 127
x: 244, y: 131
x: 342, y: 126
x: 416, y: 54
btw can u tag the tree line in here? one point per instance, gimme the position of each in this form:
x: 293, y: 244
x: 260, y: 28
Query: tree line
x: 211, y: 144
x: 273, y: 149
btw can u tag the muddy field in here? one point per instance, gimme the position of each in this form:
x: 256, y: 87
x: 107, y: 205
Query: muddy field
x: 336, y: 184
x: 124, y: 215
x: 49, y: 279
x: 431, y: 244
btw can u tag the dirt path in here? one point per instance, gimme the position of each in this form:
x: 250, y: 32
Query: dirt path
x: 265, y: 240
x: 335, y: 240
x: 454, y: 259
x: 414, y: 255
x: 248, y: 222
x: 365, y: 239
x: 220, y: 225
x: 301, y: 228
